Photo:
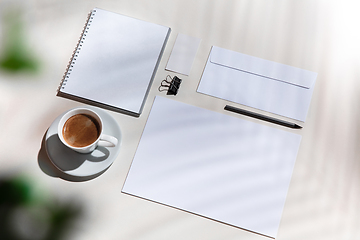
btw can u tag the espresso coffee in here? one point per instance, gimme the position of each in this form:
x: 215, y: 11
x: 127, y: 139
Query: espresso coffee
x: 81, y: 130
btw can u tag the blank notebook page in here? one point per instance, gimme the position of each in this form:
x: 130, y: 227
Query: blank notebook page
x: 214, y: 165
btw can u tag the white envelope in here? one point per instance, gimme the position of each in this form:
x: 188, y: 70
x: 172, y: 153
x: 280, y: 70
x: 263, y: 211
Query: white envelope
x: 258, y: 83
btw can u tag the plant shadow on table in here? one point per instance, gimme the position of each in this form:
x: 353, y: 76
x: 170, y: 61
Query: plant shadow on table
x: 50, y: 169
x: 17, y: 55
x: 26, y: 215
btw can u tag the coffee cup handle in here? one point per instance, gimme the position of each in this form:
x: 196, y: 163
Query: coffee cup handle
x: 107, y: 141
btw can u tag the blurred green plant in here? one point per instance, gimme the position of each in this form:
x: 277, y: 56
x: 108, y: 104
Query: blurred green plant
x: 16, y: 56
x: 25, y: 216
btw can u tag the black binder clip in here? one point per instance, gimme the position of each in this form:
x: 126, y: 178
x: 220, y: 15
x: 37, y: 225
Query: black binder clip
x: 172, y: 86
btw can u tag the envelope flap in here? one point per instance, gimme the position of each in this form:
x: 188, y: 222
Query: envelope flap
x: 262, y: 67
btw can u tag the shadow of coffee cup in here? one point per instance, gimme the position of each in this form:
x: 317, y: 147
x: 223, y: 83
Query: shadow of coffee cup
x: 70, y: 161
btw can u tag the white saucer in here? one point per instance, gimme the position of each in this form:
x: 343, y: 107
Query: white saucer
x: 83, y: 165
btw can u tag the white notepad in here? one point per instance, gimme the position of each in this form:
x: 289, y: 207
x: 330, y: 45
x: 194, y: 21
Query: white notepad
x: 183, y: 54
x: 115, y: 62
x: 214, y: 165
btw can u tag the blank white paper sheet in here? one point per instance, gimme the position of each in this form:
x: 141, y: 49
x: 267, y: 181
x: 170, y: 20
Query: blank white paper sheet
x: 214, y: 165
x: 183, y: 54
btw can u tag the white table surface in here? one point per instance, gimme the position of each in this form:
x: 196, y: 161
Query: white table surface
x: 323, y: 201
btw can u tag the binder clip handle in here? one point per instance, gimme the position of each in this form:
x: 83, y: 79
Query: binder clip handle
x: 172, y: 86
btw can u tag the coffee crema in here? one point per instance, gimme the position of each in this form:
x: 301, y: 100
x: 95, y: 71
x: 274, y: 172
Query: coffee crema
x: 81, y: 130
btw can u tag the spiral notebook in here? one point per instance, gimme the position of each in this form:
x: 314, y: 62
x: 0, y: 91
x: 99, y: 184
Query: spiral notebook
x: 216, y: 165
x: 114, y: 62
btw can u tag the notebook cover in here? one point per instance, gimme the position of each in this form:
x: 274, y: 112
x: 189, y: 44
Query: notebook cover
x: 115, y: 62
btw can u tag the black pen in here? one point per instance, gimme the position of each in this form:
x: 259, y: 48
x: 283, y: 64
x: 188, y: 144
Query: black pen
x: 261, y: 117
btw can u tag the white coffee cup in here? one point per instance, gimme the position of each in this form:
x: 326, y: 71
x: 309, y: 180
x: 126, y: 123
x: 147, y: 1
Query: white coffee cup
x: 102, y: 140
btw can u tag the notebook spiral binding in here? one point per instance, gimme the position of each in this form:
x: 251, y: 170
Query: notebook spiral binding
x: 77, y: 50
